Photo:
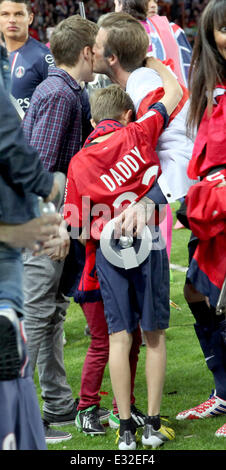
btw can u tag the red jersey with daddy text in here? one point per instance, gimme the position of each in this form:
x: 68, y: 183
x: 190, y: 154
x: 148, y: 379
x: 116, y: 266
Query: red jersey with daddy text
x: 102, y: 178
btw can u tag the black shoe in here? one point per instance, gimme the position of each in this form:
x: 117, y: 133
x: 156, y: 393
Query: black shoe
x: 138, y: 416
x: 53, y: 436
x: 61, y: 420
x: 10, y: 344
x: 88, y: 421
x: 103, y: 414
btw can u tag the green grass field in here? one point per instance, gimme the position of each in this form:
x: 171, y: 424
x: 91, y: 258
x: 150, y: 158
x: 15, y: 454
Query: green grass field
x: 188, y: 381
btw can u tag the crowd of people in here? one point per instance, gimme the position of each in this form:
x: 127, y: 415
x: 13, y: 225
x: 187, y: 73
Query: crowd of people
x: 48, y: 14
x: 99, y: 109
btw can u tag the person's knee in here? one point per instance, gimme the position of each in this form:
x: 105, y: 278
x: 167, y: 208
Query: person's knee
x: 155, y: 338
x: 121, y: 339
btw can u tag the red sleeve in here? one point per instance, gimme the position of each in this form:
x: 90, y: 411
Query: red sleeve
x: 76, y: 206
x: 152, y: 125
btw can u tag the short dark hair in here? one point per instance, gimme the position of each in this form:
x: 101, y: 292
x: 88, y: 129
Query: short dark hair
x: 136, y: 8
x: 70, y: 37
x: 126, y: 38
x: 26, y: 2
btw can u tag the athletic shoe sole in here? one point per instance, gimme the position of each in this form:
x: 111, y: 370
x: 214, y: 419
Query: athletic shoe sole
x: 57, y: 440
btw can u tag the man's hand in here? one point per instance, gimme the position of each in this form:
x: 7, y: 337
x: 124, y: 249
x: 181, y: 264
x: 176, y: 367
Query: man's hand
x: 56, y: 248
x: 132, y: 220
x: 31, y: 234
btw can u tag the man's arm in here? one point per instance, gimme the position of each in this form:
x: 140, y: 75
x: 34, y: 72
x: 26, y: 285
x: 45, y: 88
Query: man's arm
x: 20, y: 164
x: 33, y: 233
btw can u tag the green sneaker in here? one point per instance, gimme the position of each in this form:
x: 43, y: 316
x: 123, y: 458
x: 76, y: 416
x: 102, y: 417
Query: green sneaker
x: 88, y: 421
x: 137, y: 415
x: 113, y: 420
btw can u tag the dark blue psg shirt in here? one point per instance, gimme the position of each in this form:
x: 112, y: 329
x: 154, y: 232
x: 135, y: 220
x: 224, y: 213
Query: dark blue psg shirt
x: 29, y: 67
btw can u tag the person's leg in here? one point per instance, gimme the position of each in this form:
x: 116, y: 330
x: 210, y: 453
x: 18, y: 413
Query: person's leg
x: 154, y: 433
x: 96, y: 356
x: 89, y: 414
x: 208, y: 328
x: 133, y: 358
x: 44, y: 328
x: 119, y: 365
x: 155, y: 368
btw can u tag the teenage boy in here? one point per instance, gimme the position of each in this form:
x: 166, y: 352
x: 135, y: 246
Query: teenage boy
x: 53, y: 125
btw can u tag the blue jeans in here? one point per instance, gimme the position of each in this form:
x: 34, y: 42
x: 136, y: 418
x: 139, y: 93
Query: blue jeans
x: 11, y: 278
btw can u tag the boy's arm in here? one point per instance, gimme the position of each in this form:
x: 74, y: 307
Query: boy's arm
x: 173, y: 90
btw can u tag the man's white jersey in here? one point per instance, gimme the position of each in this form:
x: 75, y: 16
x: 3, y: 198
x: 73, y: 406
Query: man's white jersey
x: 174, y: 148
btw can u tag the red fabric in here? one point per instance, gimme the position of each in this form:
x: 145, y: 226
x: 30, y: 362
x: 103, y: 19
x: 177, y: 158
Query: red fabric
x: 210, y: 144
x: 206, y: 211
x: 112, y: 172
x: 84, y: 178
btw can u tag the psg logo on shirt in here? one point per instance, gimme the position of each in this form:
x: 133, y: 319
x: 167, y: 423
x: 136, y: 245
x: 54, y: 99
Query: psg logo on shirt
x: 20, y: 71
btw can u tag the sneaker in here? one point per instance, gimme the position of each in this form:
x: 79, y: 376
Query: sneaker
x: 88, y: 421
x: 53, y: 436
x: 61, y: 420
x: 136, y: 414
x: 10, y: 344
x: 103, y: 415
x: 212, y: 407
x: 152, y: 438
x: 221, y: 432
x: 127, y: 441
x: 113, y: 420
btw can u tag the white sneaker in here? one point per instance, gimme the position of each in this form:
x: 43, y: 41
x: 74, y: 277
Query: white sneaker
x: 154, y: 439
x: 127, y: 441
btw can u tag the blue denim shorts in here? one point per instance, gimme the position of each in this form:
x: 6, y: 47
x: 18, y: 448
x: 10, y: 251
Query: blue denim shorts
x: 137, y: 295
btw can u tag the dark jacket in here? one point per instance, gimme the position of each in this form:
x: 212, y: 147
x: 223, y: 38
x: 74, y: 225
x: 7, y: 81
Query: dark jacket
x: 21, y: 171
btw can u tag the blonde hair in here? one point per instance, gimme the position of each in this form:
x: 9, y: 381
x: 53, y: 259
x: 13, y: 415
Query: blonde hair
x: 109, y: 103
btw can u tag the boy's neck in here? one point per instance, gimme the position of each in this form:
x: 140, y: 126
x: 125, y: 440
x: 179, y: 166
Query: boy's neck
x: 103, y: 137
